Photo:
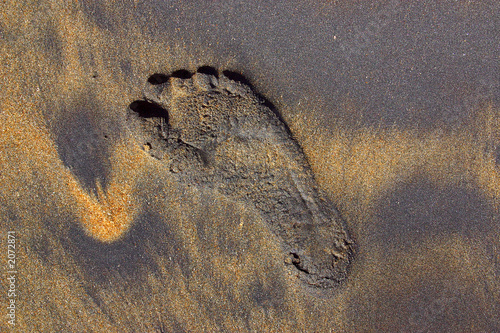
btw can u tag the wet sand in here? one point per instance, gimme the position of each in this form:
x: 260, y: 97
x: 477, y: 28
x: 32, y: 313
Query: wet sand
x: 395, y: 106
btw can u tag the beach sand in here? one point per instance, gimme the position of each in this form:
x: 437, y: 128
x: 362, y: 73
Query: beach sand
x: 394, y: 105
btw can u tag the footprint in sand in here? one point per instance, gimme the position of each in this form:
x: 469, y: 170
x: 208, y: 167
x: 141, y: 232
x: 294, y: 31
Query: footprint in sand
x: 215, y: 132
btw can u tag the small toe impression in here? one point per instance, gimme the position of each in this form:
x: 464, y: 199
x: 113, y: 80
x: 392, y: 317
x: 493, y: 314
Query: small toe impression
x: 157, y: 79
x: 205, y: 82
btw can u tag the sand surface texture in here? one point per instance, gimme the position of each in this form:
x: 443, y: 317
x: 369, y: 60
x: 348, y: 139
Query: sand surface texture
x: 285, y: 166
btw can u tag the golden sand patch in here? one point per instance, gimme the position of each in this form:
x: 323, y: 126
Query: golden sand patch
x: 106, y: 215
x: 359, y: 166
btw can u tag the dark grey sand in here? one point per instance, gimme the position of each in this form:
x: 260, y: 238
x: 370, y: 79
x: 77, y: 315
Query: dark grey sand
x: 388, y: 112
